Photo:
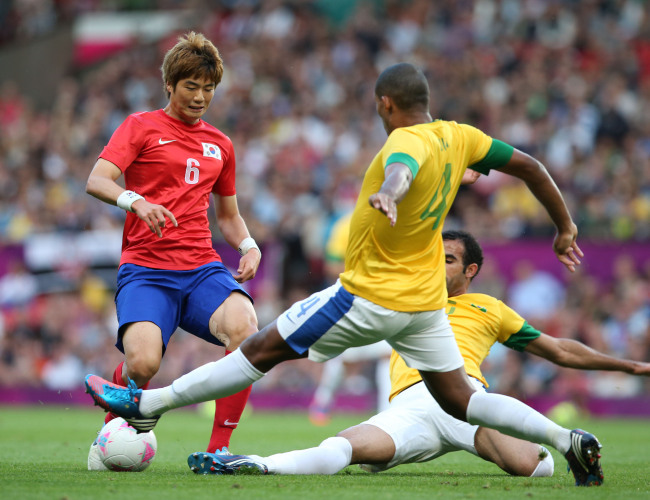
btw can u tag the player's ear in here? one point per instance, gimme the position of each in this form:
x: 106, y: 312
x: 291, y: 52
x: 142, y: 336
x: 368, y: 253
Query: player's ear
x: 471, y: 270
x: 387, y: 102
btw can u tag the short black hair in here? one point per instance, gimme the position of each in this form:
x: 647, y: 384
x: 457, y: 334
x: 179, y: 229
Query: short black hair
x: 473, y: 253
x: 406, y: 85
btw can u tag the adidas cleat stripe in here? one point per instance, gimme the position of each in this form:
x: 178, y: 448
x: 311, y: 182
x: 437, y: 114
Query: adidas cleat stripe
x: 142, y: 424
x: 576, y: 445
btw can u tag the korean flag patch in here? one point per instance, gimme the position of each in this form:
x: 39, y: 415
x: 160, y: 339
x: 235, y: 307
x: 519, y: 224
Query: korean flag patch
x: 211, y: 151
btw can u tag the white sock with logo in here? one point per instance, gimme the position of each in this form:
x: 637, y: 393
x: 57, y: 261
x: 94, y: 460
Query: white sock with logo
x: 514, y: 418
x: 329, y: 457
x: 213, y: 380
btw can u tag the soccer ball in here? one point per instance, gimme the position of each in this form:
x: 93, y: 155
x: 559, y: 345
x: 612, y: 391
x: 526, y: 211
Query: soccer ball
x: 122, y: 449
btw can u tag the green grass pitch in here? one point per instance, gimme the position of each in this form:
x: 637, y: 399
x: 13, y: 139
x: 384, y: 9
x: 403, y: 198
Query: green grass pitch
x: 43, y: 454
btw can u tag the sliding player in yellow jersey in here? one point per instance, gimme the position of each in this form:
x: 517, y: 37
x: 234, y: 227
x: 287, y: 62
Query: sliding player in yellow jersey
x: 414, y: 428
x: 393, y: 286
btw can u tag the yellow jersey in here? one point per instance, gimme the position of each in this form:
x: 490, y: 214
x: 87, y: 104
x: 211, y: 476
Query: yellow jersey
x: 478, y: 321
x: 403, y: 267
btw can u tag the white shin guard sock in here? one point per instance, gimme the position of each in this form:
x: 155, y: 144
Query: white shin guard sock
x: 546, y: 465
x: 211, y: 381
x: 514, y: 418
x: 329, y: 457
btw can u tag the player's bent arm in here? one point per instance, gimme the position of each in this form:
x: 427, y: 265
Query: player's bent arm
x: 234, y: 230
x: 573, y: 354
x: 230, y: 222
x: 397, y: 182
x: 101, y: 182
x: 540, y: 183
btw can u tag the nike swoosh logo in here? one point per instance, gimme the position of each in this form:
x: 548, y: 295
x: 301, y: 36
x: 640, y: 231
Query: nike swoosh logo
x: 160, y: 141
x: 228, y: 422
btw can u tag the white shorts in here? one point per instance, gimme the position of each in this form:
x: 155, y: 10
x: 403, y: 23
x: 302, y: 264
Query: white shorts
x: 370, y: 352
x: 328, y: 322
x: 420, y: 429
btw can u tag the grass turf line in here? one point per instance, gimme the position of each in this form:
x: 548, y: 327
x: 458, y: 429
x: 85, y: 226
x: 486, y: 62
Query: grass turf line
x: 43, y: 454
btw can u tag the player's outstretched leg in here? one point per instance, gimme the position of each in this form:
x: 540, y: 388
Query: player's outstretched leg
x: 224, y: 463
x: 584, y: 459
x: 123, y: 401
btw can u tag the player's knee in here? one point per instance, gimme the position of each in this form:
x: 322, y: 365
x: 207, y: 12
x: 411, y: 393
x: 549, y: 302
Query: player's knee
x: 244, y: 330
x: 142, y: 368
x: 340, y: 445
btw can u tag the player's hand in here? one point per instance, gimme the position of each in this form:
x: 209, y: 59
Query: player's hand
x: 385, y: 204
x: 248, y: 265
x: 566, y: 248
x: 640, y: 368
x: 469, y: 177
x: 153, y: 215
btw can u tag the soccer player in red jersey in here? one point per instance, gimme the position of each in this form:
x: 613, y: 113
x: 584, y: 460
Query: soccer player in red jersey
x: 169, y: 274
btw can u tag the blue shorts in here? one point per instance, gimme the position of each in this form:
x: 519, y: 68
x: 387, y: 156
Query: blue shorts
x: 172, y: 298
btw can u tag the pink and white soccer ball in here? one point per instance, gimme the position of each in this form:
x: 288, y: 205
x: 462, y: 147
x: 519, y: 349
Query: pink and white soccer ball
x: 121, y: 448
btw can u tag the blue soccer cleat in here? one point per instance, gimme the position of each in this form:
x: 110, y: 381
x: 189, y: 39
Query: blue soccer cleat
x: 224, y: 464
x: 584, y: 459
x: 122, y: 401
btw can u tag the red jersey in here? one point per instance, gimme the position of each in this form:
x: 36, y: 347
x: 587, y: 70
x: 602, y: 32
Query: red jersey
x: 177, y: 165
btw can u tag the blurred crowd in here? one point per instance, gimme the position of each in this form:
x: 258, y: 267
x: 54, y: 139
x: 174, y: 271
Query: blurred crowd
x: 566, y: 81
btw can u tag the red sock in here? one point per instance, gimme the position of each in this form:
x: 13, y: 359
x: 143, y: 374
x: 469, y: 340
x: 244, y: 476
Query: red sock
x: 117, y: 379
x: 227, y: 413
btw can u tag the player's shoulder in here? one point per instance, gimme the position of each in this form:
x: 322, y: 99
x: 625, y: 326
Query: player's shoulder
x: 479, y: 301
x: 144, y: 116
x: 146, y: 120
x: 213, y: 131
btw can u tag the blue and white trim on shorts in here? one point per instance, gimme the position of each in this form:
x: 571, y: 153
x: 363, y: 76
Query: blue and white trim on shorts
x: 306, y: 321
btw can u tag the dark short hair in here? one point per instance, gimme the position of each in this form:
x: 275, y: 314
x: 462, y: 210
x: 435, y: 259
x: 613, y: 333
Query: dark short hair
x: 473, y: 253
x: 193, y: 56
x: 406, y: 85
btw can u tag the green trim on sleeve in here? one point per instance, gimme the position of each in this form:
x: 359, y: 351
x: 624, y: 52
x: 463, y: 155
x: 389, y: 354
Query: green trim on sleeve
x: 518, y: 341
x: 498, y: 155
x: 334, y: 257
x: 406, y: 159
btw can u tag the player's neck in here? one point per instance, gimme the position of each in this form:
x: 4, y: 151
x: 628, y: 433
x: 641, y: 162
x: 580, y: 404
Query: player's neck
x: 402, y: 120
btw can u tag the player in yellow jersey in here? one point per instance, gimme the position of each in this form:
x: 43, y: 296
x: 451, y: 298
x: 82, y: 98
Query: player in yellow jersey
x: 414, y: 428
x: 393, y: 286
x: 335, y: 369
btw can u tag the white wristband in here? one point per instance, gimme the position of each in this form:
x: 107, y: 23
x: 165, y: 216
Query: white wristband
x: 126, y: 199
x: 246, y: 245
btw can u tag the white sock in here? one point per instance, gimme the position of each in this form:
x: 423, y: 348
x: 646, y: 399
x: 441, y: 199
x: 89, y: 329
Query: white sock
x: 514, y: 418
x: 329, y: 457
x: 545, y: 466
x: 211, y: 381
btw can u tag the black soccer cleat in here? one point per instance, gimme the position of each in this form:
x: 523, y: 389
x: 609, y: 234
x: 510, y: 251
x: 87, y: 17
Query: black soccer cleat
x: 584, y: 459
